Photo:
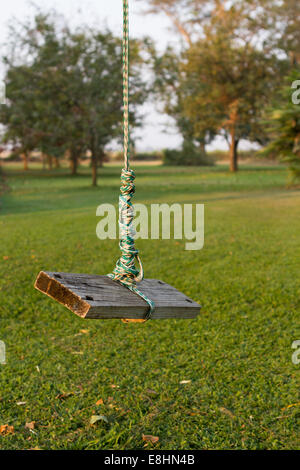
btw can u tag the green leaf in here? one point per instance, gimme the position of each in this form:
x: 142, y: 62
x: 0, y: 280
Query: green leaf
x: 96, y: 418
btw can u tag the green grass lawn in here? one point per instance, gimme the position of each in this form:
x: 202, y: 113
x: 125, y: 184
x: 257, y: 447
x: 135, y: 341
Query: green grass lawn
x: 242, y: 389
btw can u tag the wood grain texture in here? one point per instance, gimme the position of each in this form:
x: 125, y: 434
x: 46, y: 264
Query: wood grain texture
x: 98, y: 297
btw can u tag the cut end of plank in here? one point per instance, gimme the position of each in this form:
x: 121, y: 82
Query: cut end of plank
x: 99, y: 297
x: 50, y: 285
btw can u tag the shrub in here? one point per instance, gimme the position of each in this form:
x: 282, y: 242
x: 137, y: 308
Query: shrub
x: 147, y: 156
x: 138, y: 156
x: 186, y: 158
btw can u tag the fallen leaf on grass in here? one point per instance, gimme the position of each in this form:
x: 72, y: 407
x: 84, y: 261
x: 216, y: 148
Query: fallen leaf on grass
x: 63, y: 396
x: 6, y: 258
x: 96, y: 418
x: 197, y: 413
x: 5, y: 430
x: 153, y: 413
x: 85, y: 332
x: 151, y: 439
x: 152, y: 392
x: 30, y: 426
x: 227, y: 412
x: 291, y: 406
x: 100, y: 402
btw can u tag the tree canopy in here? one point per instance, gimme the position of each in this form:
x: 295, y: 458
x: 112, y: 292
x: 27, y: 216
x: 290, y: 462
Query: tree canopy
x: 284, y: 125
x: 65, y: 90
x: 230, y: 68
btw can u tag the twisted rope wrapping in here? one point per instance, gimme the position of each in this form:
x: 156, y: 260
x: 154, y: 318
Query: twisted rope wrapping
x: 125, y: 271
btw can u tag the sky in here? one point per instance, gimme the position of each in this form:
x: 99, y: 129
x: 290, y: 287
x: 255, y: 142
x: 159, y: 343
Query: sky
x: 158, y: 130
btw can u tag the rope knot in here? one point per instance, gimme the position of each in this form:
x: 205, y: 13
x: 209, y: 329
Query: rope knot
x: 127, y: 179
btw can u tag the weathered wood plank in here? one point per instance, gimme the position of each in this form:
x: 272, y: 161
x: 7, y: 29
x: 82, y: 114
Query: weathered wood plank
x: 98, y: 297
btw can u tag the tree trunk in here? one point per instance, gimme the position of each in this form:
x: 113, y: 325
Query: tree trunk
x: 73, y: 165
x: 56, y: 162
x: 233, y: 151
x: 50, y: 162
x: 101, y: 157
x: 294, y: 58
x: 25, y: 160
x: 203, y: 146
x: 94, y: 170
x: 73, y: 155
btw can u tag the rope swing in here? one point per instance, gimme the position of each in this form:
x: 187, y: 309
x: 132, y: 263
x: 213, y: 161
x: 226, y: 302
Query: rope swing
x: 125, y: 271
x: 92, y: 296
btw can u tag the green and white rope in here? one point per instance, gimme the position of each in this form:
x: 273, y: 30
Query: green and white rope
x: 126, y: 82
x: 125, y: 271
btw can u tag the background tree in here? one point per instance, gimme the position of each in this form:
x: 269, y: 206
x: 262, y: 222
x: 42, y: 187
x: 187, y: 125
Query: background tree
x: 186, y: 16
x: 65, y: 90
x: 229, y: 87
x: 229, y: 67
x: 284, y: 128
x: 19, y: 117
x: 223, y: 80
x: 172, y: 89
x: 280, y: 20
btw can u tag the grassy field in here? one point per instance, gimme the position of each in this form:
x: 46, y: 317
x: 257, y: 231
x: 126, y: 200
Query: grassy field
x: 241, y: 388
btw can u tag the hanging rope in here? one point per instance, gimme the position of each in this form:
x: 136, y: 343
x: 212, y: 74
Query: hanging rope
x: 126, y: 81
x: 125, y: 271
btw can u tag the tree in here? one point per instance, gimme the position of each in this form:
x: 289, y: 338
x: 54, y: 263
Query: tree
x: 67, y: 98
x: 19, y: 116
x: 101, y: 102
x: 171, y: 87
x: 284, y: 127
x: 187, y: 16
x: 40, y: 113
x: 227, y: 75
x: 280, y: 19
x: 231, y: 86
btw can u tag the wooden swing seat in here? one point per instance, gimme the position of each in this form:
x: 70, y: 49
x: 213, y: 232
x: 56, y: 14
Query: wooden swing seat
x: 99, y: 297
